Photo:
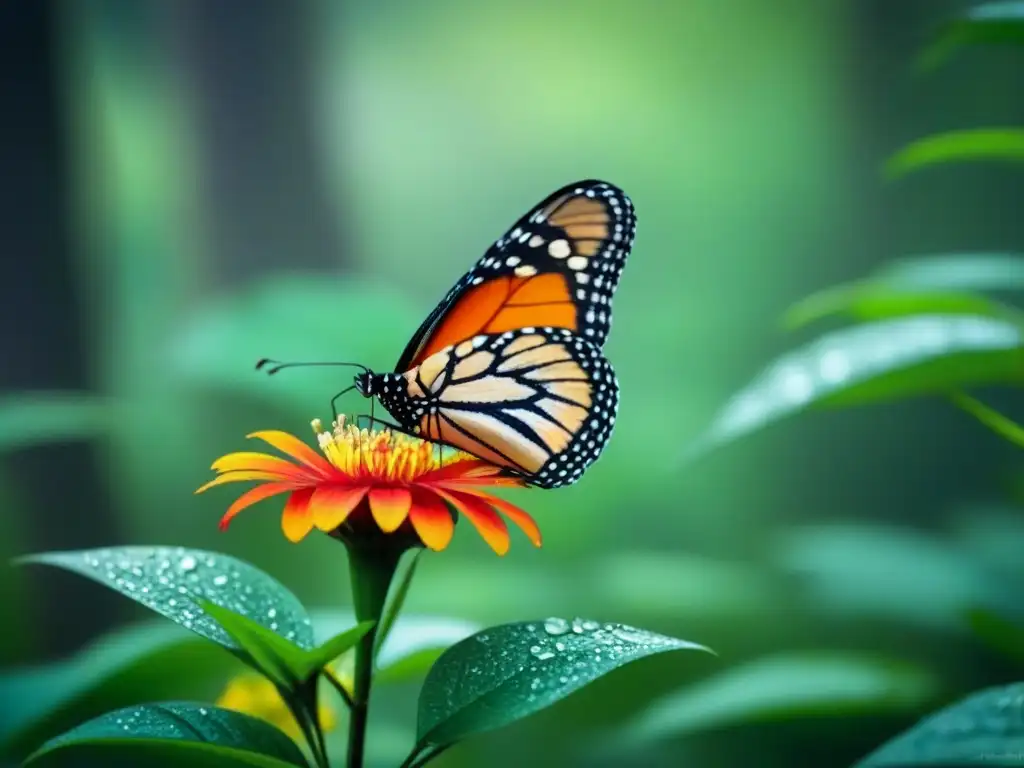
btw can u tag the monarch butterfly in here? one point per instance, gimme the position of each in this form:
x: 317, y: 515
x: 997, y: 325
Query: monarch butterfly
x: 508, y: 366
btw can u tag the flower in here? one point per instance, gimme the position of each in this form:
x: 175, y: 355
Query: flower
x: 370, y: 482
x: 255, y: 695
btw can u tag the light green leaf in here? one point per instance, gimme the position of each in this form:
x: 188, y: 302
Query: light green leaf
x: 983, y: 271
x: 991, y: 418
x: 170, y: 580
x: 987, y: 23
x: 37, y: 418
x: 986, y: 728
x: 280, y: 660
x: 882, y: 361
x: 40, y: 701
x: 999, y: 633
x: 1003, y: 145
x: 172, y: 734
x: 508, y: 672
x: 786, y: 686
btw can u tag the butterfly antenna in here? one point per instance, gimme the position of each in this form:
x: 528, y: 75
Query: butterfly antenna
x: 273, y: 366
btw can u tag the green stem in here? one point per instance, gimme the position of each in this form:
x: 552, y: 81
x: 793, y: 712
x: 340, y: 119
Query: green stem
x: 371, y: 568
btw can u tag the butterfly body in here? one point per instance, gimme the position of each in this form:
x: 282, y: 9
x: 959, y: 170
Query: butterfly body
x: 509, y: 365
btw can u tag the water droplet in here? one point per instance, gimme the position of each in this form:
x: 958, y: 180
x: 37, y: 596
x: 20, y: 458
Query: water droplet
x: 590, y: 626
x: 559, y: 647
x: 272, y: 613
x: 556, y: 626
x: 204, y: 711
x: 577, y: 626
x: 172, y: 602
x: 187, y: 563
x: 220, y: 581
x: 631, y: 635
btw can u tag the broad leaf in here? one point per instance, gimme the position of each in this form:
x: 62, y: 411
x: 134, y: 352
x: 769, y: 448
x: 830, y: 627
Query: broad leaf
x: 999, y: 633
x: 118, y: 669
x: 1002, y: 425
x: 170, y: 581
x: 986, y: 728
x: 37, y: 418
x: 987, y: 23
x: 1002, y: 145
x: 889, y: 360
x: 171, y: 734
x: 786, y: 686
x: 508, y: 672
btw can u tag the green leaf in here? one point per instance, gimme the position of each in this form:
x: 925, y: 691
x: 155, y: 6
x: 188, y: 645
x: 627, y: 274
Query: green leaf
x: 394, y: 606
x: 170, y: 580
x: 983, y: 271
x: 172, y: 734
x: 118, y: 669
x: 324, y: 654
x: 991, y: 418
x: 1003, y: 145
x: 986, y: 728
x: 38, y: 418
x: 508, y: 672
x: 876, y: 362
x: 786, y: 686
x: 987, y: 23
x: 997, y: 632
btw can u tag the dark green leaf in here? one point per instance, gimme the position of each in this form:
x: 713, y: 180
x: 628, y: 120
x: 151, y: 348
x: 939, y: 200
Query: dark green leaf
x: 986, y: 728
x: 44, y: 417
x: 38, y: 702
x: 170, y: 580
x: 394, y: 606
x: 987, y: 23
x: 172, y: 734
x: 991, y: 418
x: 999, y: 633
x: 888, y: 360
x: 1003, y: 145
x: 786, y: 686
x: 508, y: 672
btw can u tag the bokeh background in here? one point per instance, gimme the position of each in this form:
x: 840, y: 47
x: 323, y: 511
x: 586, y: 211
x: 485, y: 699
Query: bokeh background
x: 189, y: 186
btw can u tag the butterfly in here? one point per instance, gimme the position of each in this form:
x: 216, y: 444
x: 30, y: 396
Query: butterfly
x: 509, y: 365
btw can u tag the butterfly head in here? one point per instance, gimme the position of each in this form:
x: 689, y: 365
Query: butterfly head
x: 364, y: 383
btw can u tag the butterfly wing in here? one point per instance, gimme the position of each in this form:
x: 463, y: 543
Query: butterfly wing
x: 540, y: 402
x: 557, y: 267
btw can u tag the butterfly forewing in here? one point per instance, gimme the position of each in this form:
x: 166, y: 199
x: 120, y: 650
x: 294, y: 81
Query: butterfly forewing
x: 557, y: 267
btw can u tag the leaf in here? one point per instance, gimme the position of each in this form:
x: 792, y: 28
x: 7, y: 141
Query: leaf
x: 279, y: 659
x: 987, y: 23
x: 985, y: 728
x: 883, y: 361
x: 324, y: 654
x: 394, y: 606
x: 991, y: 418
x: 38, y: 418
x: 998, y: 633
x: 984, y: 271
x: 508, y: 672
x: 170, y: 580
x: 1004, y: 145
x: 172, y: 734
x: 40, y: 701
x: 783, y: 686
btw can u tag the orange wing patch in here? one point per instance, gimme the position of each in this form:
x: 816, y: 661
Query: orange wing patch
x: 503, y: 304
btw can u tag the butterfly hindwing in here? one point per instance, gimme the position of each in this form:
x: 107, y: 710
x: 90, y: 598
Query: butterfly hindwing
x: 558, y: 267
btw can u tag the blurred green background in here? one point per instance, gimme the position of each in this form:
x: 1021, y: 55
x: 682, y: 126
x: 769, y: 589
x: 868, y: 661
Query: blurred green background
x: 194, y: 185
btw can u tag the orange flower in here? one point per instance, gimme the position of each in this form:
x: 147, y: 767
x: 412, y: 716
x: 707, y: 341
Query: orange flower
x: 374, y: 481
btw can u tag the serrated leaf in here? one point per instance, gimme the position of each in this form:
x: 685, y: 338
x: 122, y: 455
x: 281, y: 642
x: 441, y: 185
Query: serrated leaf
x: 508, y: 672
x: 40, y: 701
x: 987, y: 23
x: 1001, y: 145
x: 170, y: 580
x: 882, y: 361
x: 786, y: 686
x: 997, y: 632
x: 171, y: 734
x: 37, y: 418
x: 985, y: 728
x: 1002, y: 425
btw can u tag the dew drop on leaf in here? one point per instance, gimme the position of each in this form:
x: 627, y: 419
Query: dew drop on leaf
x: 556, y: 626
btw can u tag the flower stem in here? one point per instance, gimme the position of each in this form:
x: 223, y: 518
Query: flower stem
x: 371, y: 568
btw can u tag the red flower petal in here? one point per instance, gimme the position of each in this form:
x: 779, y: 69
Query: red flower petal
x: 431, y: 519
x: 296, y: 521
x: 486, y: 521
x: 390, y: 506
x: 250, y: 497
x: 297, y: 449
x: 521, y: 518
x: 331, y: 505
